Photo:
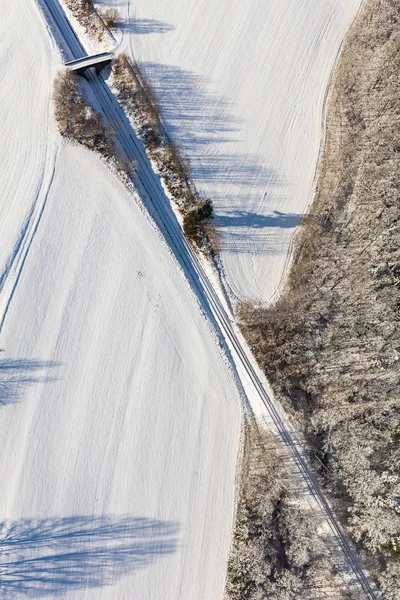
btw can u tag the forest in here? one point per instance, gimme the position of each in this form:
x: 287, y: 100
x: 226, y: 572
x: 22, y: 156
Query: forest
x: 330, y: 344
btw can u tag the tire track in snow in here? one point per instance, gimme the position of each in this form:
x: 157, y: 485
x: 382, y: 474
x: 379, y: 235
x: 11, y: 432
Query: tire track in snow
x: 12, y: 272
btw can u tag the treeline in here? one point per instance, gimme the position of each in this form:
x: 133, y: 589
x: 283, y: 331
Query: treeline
x: 95, y: 23
x: 136, y: 95
x: 81, y: 123
x: 277, y: 550
x: 331, y: 344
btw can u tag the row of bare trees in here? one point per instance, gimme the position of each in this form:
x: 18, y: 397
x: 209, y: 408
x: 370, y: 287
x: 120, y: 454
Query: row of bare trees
x: 136, y: 95
x: 81, y: 123
x: 279, y: 548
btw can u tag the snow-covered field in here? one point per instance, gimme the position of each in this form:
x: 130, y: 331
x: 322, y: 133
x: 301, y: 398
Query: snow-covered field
x: 119, y: 418
x: 242, y: 86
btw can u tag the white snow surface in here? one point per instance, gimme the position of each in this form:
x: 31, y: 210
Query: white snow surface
x: 242, y: 87
x: 120, y: 419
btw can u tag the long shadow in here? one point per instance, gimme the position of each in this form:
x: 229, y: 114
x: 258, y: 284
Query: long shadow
x: 242, y: 218
x: 53, y: 556
x: 58, y: 22
x: 193, y: 124
x: 119, y: 4
x: 18, y: 374
x: 200, y: 121
x: 145, y: 26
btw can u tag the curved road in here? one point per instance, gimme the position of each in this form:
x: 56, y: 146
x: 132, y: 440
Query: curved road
x: 153, y: 196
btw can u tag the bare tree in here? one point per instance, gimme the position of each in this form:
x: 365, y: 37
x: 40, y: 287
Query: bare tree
x: 111, y: 18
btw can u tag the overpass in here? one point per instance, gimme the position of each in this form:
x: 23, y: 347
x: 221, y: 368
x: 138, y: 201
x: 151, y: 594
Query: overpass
x: 98, y: 61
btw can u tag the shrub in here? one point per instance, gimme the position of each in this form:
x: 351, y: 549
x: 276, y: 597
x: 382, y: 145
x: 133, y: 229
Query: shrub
x: 79, y: 122
x: 139, y: 100
x: 195, y: 219
x: 111, y: 18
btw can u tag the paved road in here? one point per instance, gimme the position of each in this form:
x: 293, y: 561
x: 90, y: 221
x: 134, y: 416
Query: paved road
x: 85, y: 62
x: 158, y: 206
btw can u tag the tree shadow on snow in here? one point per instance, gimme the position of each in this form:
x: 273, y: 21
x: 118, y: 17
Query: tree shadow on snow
x: 242, y: 218
x: 145, y: 26
x: 53, y: 556
x: 18, y: 374
x: 199, y: 122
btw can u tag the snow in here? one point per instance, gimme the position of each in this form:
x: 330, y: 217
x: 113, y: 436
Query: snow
x: 242, y: 87
x: 120, y: 419
x: 28, y: 141
x: 120, y: 416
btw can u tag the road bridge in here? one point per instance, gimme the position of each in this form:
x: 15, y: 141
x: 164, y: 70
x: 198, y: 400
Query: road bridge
x: 98, y: 61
